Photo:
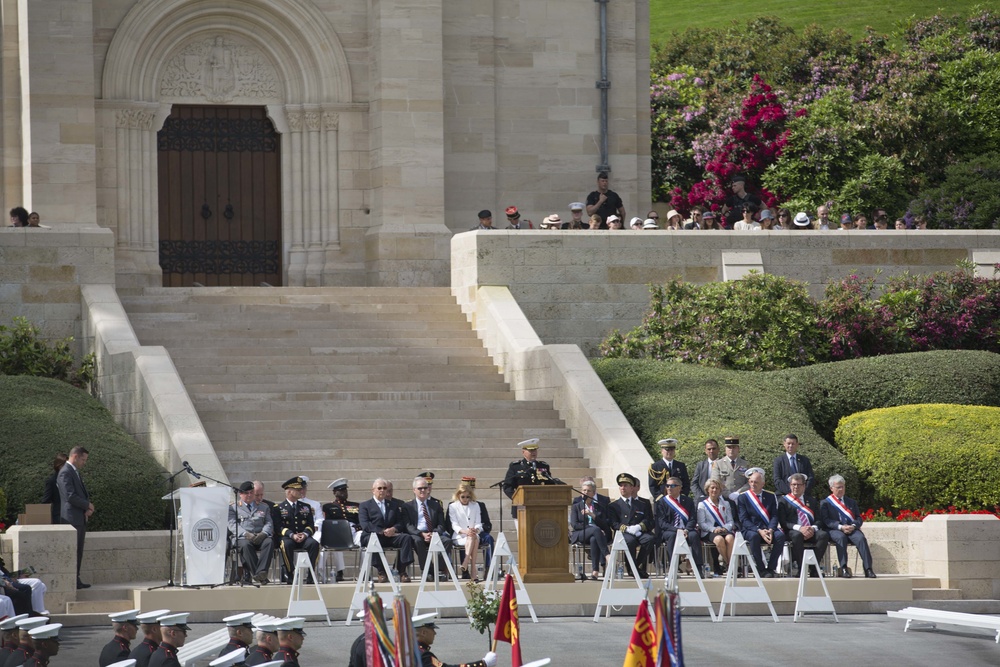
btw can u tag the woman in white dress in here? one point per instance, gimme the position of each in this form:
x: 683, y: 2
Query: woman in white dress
x: 715, y: 521
x: 466, y: 524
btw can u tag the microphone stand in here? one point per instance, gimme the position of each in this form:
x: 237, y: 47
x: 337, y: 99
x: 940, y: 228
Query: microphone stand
x: 173, y: 521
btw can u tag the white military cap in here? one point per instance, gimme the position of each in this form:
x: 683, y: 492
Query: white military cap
x: 337, y: 483
x: 530, y: 444
x: 295, y: 624
x: 305, y: 480
x: 124, y: 616
x: 237, y: 620
x: 123, y: 663
x: 8, y: 624
x: 29, y: 623
x: 150, y: 617
x: 232, y: 658
x: 751, y: 471
x: 268, y: 625
x: 50, y: 631
x: 178, y: 620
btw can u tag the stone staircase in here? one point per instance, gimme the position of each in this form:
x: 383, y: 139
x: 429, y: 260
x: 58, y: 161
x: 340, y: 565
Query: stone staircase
x: 348, y: 382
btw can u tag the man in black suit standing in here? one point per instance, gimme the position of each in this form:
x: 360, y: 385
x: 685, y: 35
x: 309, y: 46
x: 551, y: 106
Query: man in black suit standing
x: 798, y: 515
x: 76, y: 506
x: 676, y: 512
x: 381, y: 515
x: 703, y: 470
x: 666, y: 467
x: 426, y: 516
x: 633, y: 517
x: 790, y: 463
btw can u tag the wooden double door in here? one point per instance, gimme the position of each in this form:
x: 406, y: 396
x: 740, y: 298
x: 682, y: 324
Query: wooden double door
x: 219, y: 197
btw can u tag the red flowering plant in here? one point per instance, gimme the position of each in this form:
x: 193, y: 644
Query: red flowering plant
x: 882, y: 515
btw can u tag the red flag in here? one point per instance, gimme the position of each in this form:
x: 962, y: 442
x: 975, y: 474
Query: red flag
x: 642, y: 645
x: 507, y: 626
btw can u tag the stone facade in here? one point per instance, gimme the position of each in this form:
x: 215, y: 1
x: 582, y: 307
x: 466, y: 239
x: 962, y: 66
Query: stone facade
x: 399, y: 120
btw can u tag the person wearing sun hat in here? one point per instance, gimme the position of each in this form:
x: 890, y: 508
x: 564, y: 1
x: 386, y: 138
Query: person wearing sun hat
x: 125, y: 626
x: 46, y: 640
x: 175, y: 629
x: 801, y: 221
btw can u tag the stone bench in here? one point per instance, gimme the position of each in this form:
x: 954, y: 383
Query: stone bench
x: 935, y: 616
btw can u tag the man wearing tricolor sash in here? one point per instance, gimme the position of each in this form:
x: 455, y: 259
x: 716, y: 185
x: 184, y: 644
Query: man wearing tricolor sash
x: 758, y: 511
x: 676, y: 512
x: 841, y: 516
x: 798, y: 515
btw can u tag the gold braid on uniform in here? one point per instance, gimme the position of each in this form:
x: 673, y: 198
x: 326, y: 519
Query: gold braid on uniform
x: 659, y: 475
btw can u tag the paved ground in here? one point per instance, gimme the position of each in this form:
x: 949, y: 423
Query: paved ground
x: 857, y: 641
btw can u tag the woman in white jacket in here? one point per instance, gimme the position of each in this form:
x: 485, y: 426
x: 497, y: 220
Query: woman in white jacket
x: 466, y: 524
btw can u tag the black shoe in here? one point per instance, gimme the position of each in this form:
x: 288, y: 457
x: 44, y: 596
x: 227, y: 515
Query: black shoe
x: 768, y: 574
x: 643, y: 574
x: 846, y: 573
x: 812, y: 571
x: 340, y: 576
x: 465, y: 574
x: 869, y: 573
x: 80, y: 585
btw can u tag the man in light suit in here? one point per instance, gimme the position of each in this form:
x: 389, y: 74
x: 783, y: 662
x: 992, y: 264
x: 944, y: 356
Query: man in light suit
x: 841, y: 516
x: 759, y: 522
x: 703, y: 470
x: 76, y: 506
x: 426, y: 516
x: 251, y: 526
x: 381, y: 515
x: 785, y: 465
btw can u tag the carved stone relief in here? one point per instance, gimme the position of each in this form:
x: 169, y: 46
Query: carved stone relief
x: 218, y: 70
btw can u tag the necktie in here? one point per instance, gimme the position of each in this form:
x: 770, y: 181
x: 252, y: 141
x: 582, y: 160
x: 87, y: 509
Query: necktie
x: 795, y: 467
x: 677, y: 519
x: 381, y: 507
x: 803, y: 517
x: 427, y: 518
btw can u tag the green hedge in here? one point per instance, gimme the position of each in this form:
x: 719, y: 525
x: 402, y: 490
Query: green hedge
x: 927, y: 456
x: 43, y: 417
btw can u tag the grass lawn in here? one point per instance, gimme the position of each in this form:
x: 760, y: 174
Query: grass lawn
x: 667, y: 16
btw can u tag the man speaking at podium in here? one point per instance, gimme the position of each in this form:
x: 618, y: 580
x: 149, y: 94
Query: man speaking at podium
x: 527, y: 471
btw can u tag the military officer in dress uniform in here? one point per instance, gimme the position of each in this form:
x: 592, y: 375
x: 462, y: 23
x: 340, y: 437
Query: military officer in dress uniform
x: 427, y: 631
x: 290, y: 638
x: 297, y: 528
x: 267, y: 644
x: 342, y: 509
x: 151, y: 636
x: 125, y: 626
x: 8, y: 627
x: 666, y: 467
x: 731, y: 470
x: 26, y: 645
x: 251, y: 526
x: 633, y: 517
x: 526, y: 471
x: 46, y: 639
x: 174, y: 628
x: 240, y: 628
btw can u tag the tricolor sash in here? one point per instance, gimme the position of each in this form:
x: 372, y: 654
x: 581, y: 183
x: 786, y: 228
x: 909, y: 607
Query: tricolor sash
x: 716, y: 514
x: 678, y: 508
x: 842, y: 508
x: 802, y: 507
x: 759, y: 507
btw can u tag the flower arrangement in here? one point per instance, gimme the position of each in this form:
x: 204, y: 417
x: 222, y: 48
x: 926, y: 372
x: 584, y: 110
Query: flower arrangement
x: 882, y: 515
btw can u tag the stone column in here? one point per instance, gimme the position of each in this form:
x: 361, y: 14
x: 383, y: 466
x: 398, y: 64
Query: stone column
x: 57, y: 109
x: 961, y: 550
x: 409, y: 244
x: 51, y: 550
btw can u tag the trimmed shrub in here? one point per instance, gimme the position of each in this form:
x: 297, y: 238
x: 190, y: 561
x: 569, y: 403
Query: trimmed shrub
x: 24, y: 352
x: 42, y: 417
x: 922, y: 455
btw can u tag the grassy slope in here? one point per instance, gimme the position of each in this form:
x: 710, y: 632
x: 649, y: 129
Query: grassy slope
x: 667, y: 16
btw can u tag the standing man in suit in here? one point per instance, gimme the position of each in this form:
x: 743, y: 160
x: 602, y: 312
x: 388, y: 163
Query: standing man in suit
x: 426, y: 516
x: 789, y: 463
x: 731, y: 470
x: 633, y: 517
x: 297, y: 528
x: 380, y: 515
x: 76, y: 506
x: 526, y: 471
x: 676, y: 512
x: 666, y: 467
x: 842, y: 517
x: 703, y: 471
x: 759, y: 522
x: 798, y: 515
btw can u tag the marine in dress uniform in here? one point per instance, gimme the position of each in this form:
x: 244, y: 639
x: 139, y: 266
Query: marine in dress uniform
x: 342, y: 509
x: 526, y: 471
x: 126, y: 626
x: 633, y: 517
x: 151, y: 636
x: 25, y: 648
x: 296, y: 519
x: 666, y: 467
x: 290, y: 637
x: 174, y: 628
x: 267, y: 644
x: 426, y: 631
x: 240, y: 628
x: 46, y: 639
x: 8, y: 627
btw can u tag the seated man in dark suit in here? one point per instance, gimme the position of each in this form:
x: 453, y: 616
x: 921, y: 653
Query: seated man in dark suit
x: 633, y: 517
x: 426, y: 516
x: 381, y: 515
x: 588, y: 521
x: 798, y: 515
x: 789, y: 463
x: 676, y: 512
x: 842, y: 517
x: 759, y: 522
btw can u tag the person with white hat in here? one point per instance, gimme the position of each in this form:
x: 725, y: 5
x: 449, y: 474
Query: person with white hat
x: 635, y: 223
x: 46, y: 639
x: 675, y: 220
x: 427, y: 631
x: 126, y: 627
x: 649, y: 224
x: 240, y: 627
x: 267, y: 644
x: 151, y: 636
x: 175, y: 629
x: 553, y: 221
x: 802, y: 221
x: 290, y: 638
x: 8, y: 627
x: 342, y: 509
x: 528, y: 470
x: 26, y: 643
x: 576, y: 210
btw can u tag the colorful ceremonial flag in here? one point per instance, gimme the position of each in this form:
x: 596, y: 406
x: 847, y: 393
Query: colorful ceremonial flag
x: 507, y: 626
x: 378, y: 647
x: 668, y: 620
x: 407, y: 652
x: 642, y: 646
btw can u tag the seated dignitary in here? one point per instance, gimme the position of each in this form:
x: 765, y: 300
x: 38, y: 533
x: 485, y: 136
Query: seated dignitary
x: 465, y: 517
x: 27, y: 594
x: 151, y: 636
x: 175, y: 629
x: 427, y: 632
x: 297, y: 527
x: 342, y: 509
x: 759, y: 522
x: 381, y: 515
x: 25, y: 643
x: 633, y: 517
x: 126, y: 627
x: 291, y: 635
x: 250, y: 525
x: 8, y: 627
x: 841, y: 516
x: 716, y: 524
x: 46, y: 640
x: 267, y: 644
x: 731, y: 470
x: 486, y: 534
x: 528, y: 470
x: 666, y: 467
x: 240, y: 628
x: 425, y: 517
x: 789, y: 463
x: 676, y: 513
x: 589, y: 522
x: 798, y: 515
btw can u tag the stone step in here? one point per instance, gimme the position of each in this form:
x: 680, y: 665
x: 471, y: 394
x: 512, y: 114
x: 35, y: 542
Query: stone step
x: 411, y: 388
x: 102, y: 607
x: 347, y: 363
x: 243, y: 408
x: 286, y: 431
x: 937, y: 594
x: 382, y: 397
x: 301, y: 421
x: 338, y: 345
x: 463, y: 375
x: 279, y: 471
x: 366, y: 403
x: 144, y: 311
x: 290, y: 323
